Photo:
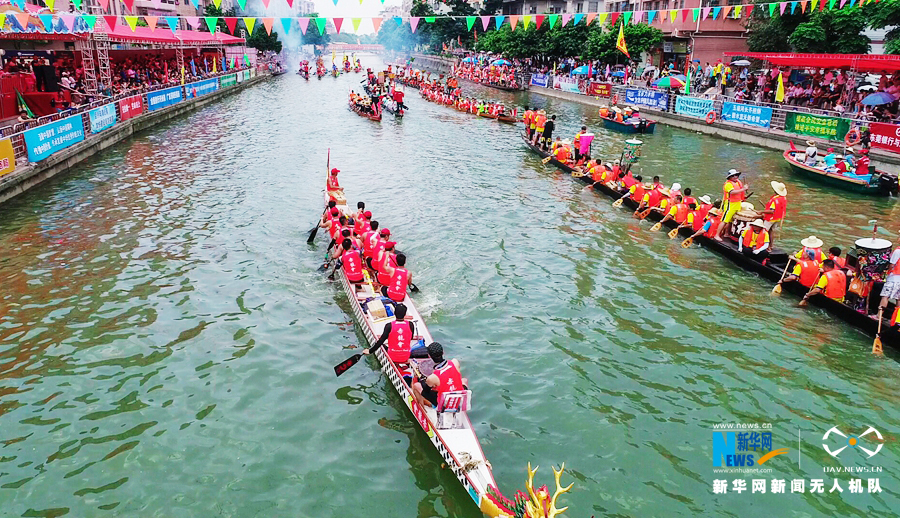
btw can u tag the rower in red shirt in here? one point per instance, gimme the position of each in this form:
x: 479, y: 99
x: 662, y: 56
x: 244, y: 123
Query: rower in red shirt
x: 445, y: 378
x: 400, y: 278
x: 775, y: 210
x: 332, y: 183
x: 834, y: 253
x: 398, y: 335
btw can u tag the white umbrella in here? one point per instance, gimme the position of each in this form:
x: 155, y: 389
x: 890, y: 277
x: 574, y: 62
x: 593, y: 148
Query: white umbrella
x: 741, y: 63
x: 867, y: 88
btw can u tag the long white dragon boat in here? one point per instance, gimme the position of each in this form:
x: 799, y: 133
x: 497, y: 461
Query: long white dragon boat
x: 448, y: 427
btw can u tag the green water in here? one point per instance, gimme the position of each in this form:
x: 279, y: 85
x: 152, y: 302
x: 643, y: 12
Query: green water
x: 166, y: 342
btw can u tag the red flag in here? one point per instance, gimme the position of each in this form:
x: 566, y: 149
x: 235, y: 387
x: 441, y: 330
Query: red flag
x: 231, y: 23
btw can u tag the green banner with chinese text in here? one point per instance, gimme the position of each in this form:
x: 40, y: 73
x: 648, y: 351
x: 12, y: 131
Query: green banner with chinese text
x: 229, y: 80
x: 820, y: 126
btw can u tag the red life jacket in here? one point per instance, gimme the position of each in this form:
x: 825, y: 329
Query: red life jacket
x: 377, y: 249
x: 699, y: 215
x: 352, y: 265
x: 809, y: 270
x: 837, y: 284
x: 627, y: 180
x: 654, y: 197
x: 398, y: 341
x: 818, y: 254
x: 681, y: 212
x: 749, y: 236
x: 383, y: 278
x: 690, y: 201
x: 451, y: 380
x: 397, y: 287
x: 714, y: 227
x: 839, y: 262
x: 638, y: 194
x: 358, y: 226
x: 335, y: 229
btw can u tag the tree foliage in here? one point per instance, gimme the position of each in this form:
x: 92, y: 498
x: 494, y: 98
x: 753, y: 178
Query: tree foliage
x: 312, y: 36
x: 833, y: 31
x: 885, y: 13
x: 261, y: 40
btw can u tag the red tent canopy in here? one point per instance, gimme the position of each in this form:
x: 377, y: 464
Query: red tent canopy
x: 162, y: 34
x: 860, y: 62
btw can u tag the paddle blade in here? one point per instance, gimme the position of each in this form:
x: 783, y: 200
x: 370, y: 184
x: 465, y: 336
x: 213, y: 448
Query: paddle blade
x: 312, y: 234
x: 345, y: 365
x: 803, y: 303
x: 619, y: 202
x: 687, y: 242
x: 776, y: 290
x: 673, y: 233
x: 876, y: 346
x: 544, y: 161
x: 646, y: 213
x: 656, y: 227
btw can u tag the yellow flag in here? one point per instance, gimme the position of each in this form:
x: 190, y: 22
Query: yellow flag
x: 214, y: 64
x: 779, y: 91
x: 182, y: 74
x: 620, y: 41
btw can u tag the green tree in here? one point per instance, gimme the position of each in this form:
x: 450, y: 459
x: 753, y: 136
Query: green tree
x: 312, y: 36
x: 832, y: 32
x: 601, y: 44
x: 885, y: 13
x: 261, y: 40
x: 771, y: 33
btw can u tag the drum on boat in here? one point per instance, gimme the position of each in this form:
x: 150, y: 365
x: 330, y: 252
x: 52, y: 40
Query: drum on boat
x: 743, y: 217
x: 873, y: 256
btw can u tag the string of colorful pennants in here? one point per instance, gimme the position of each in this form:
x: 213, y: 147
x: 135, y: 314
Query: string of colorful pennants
x: 68, y: 21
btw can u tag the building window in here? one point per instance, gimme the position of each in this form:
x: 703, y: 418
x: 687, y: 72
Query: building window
x: 579, y: 7
x: 532, y: 9
x: 592, y: 7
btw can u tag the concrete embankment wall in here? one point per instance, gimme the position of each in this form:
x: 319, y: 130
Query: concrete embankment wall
x: 31, y: 175
x: 771, y: 139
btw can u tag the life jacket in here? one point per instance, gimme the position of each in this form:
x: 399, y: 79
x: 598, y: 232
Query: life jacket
x: 352, y: 265
x: 397, y: 287
x: 358, y: 226
x: 754, y: 239
x: 576, y: 142
x: 895, y: 270
x: 681, y: 212
x: 377, y: 248
x: 332, y: 183
x: 779, y: 205
x: 638, y: 193
x: 735, y: 196
x: 539, y: 122
x: 839, y: 262
x: 335, y: 229
x: 809, y: 270
x: 562, y: 154
x: 451, y: 380
x: 398, y: 341
x: 627, y: 180
x: 653, y: 197
x: 714, y: 227
x: 690, y: 201
x: 700, y: 215
x: 598, y: 173
x: 367, y: 242
x: 837, y: 285
x: 819, y: 256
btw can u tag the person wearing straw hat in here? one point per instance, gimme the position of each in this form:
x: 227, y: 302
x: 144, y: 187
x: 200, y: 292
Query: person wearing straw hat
x: 734, y: 192
x: 806, y: 271
x: 812, y: 154
x: 891, y: 289
x: 776, y: 208
x: 755, y: 241
x: 814, y: 245
x: 697, y: 216
x: 709, y: 225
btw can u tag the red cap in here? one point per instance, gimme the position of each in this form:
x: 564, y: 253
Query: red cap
x: 830, y: 149
x: 390, y: 244
x: 335, y: 211
x: 368, y: 214
x: 335, y: 171
x: 385, y: 232
x: 864, y: 151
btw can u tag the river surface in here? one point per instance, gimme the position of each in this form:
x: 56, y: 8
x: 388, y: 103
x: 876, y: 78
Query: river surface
x: 166, y: 340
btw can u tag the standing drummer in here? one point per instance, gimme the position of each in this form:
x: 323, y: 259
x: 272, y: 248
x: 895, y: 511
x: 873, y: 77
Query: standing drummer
x: 734, y: 193
x: 775, y: 210
x: 891, y: 289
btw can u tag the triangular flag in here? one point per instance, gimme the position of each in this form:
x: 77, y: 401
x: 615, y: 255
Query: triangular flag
x: 249, y: 23
x: 47, y: 20
x: 772, y: 9
x: 793, y: 7
x: 90, y: 20
x: 286, y: 23
x: 68, y: 21
x: 779, y: 90
x: 210, y: 23
x: 231, y: 23
x: 526, y: 20
x: 242, y: 4
x: 565, y: 19
x: 716, y: 11
x: 613, y: 17
x: 470, y: 21
x: 725, y: 10
x: 673, y: 14
x: 399, y: 21
x: 355, y: 22
x: 803, y: 6
x: 748, y: 10
x: 193, y: 21
x: 337, y: 24
x: 705, y: 14
x: 552, y: 19
x: 51, y: 3
x: 22, y: 18
x: 111, y: 21
x: 737, y: 11
x: 304, y: 23
x: 103, y: 5
x: 376, y: 24
x: 538, y: 20
x: 430, y: 19
x: 131, y: 21
x: 513, y: 20
x: 268, y: 22
x: 620, y: 41
x: 77, y: 4
x: 852, y: 2
x: 783, y: 7
x: 196, y: 4
x: 266, y: 4
x: 577, y: 18
x: 590, y: 18
x: 413, y: 23
x: 626, y: 17
x: 684, y: 14
x: 498, y: 21
x: 151, y: 22
x: 842, y: 4
x: 173, y: 23
x: 832, y: 2
x: 129, y: 4
x: 638, y: 16
x: 650, y: 15
x: 822, y: 3
x: 218, y: 3
x: 696, y: 12
x: 485, y: 21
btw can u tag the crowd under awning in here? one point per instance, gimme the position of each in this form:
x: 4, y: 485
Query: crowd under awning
x: 860, y: 62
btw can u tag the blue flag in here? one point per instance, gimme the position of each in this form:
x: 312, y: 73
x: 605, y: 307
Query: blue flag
x: 193, y: 67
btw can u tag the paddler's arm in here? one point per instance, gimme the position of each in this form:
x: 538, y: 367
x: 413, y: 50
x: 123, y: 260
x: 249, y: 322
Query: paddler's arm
x: 381, y: 340
x: 819, y: 289
x: 705, y: 228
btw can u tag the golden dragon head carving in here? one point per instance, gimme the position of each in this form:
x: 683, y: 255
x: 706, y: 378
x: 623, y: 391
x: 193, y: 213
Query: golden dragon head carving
x: 537, y: 503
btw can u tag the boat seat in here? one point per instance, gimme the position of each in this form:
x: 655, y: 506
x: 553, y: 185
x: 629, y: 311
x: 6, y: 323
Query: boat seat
x: 450, y: 404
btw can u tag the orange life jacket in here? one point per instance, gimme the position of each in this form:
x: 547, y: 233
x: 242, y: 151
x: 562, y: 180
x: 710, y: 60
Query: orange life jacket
x: 735, y: 196
x: 809, y: 270
x: 681, y: 212
x: 755, y: 239
x: 837, y: 284
x: 638, y: 194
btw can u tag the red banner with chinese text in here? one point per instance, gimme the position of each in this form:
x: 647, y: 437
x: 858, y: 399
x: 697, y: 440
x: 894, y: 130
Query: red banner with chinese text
x: 600, y: 89
x: 130, y: 107
x: 885, y: 136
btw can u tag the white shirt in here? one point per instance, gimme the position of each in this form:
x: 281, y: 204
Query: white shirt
x: 811, y: 153
x: 894, y: 258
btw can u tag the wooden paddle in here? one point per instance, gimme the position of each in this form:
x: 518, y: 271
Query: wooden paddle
x: 876, y: 345
x: 620, y: 201
x: 687, y: 242
x: 656, y: 227
x: 777, y: 289
x: 345, y: 365
x: 674, y: 232
x: 646, y: 213
x: 549, y: 158
x: 805, y: 301
x: 315, y: 229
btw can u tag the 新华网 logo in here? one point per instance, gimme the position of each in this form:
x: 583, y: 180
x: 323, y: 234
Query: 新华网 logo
x: 743, y: 449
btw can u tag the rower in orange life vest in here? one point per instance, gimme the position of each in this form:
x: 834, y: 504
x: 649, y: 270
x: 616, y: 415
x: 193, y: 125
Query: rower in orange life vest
x: 445, y: 378
x: 678, y: 211
x: 561, y: 152
x: 332, y: 183
x: 697, y: 217
x: 709, y: 225
x: 734, y: 193
x: 398, y: 335
x: 834, y: 253
x: 776, y: 209
x: 652, y: 196
x: 754, y: 241
x: 814, y: 245
x: 400, y: 278
x: 351, y: 261
x: 806, y: 271
x: 635, y: 191
x: 832, y: 283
